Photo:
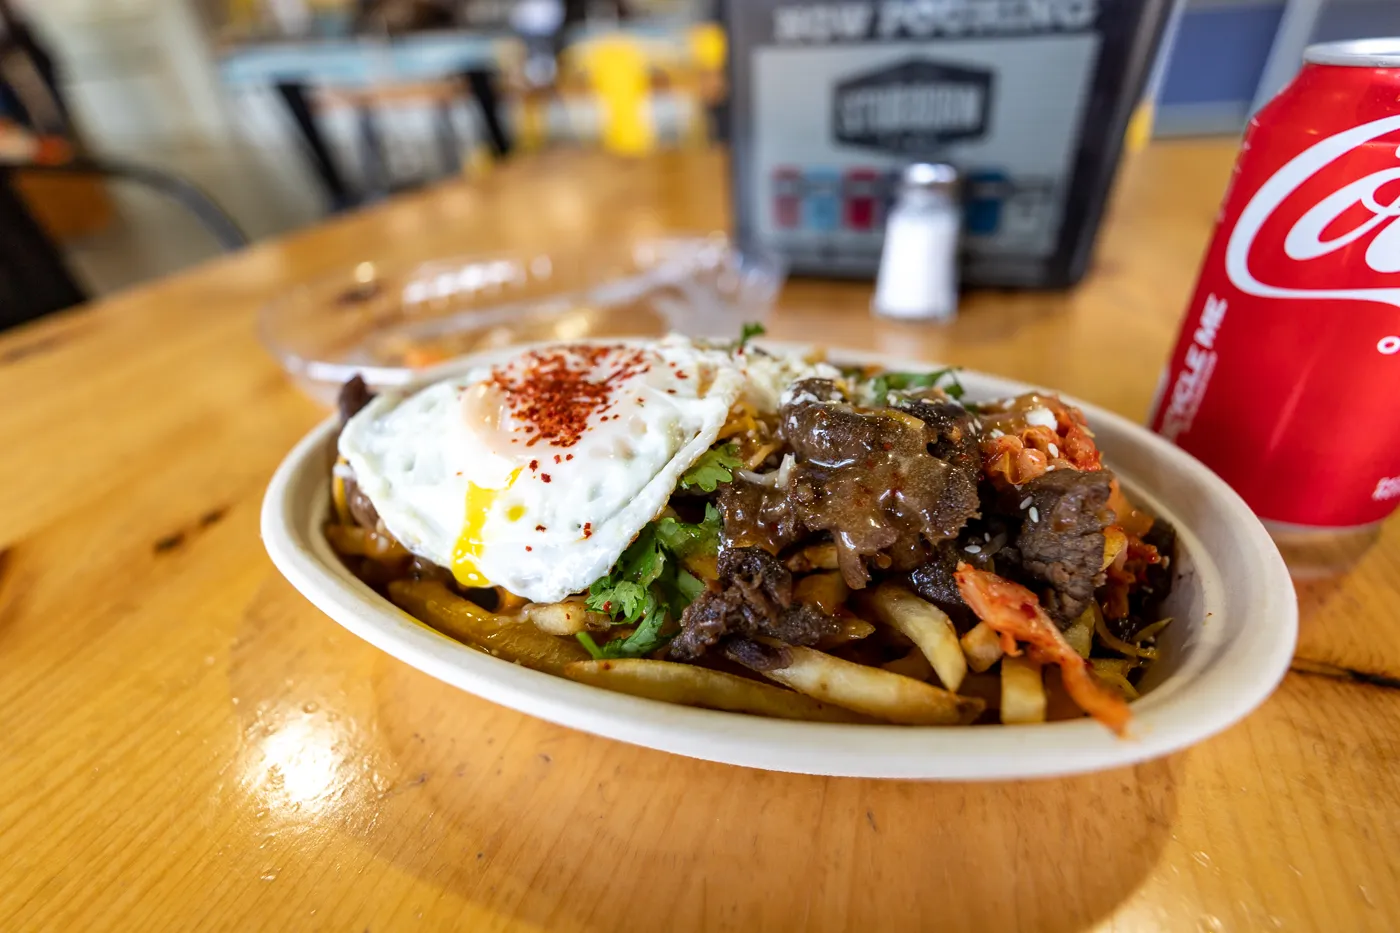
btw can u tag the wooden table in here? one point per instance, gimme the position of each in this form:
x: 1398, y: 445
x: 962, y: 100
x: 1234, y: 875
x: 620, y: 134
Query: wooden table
x: 185, y: 743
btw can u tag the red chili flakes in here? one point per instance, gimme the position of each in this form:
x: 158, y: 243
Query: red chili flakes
x: 539, y: 528
x: 545, y: 477
x: 558, y: 459
x: 670, y: 391
x: 528, y: 548
x: 681, y: 375
x: 588, y: 529
x: 568, y: 456
x: 534, y: 465
x: 554, y: 392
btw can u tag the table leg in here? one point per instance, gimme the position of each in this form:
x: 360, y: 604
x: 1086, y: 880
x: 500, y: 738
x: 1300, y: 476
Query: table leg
x: 446, y: 136
x: 483, y: 88
x: 374, y: 164
x: 295, y: 96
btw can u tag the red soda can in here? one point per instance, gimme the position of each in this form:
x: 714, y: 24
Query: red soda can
x: 1286, y: 376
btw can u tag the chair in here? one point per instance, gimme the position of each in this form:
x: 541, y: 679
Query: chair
x: 34, y: 277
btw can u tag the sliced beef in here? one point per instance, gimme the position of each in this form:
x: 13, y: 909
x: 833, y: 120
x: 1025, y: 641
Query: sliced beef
x: 955, y: 439
x: 1061, y: 540
x: 361, y: 509
x: 753, y: 597
x: 934, y: 581
x: 869, y: 478
x: 354, y: 395
x: 956, y: 444
x: 758, y: 516
x: 755, y: 655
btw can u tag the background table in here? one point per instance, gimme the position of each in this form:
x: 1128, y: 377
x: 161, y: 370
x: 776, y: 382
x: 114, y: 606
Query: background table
x: 185, y: 743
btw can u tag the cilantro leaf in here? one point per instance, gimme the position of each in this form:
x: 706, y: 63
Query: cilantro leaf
x: 686, y: 588
x: 647, y: 586
x: 684, y: 540
x: 624, y: 592
x: 715, y: 466
x: 643, y: 640
x: 749, y: 331
x: 885, y: 383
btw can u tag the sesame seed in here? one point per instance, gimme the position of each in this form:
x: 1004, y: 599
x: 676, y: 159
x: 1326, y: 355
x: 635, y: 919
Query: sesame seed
x: 973, y: 549
x: 1054, y: 450
x: 997, y: 432
x: 1035, y: 514
x: 986, y: 536
x: 1025, y: 503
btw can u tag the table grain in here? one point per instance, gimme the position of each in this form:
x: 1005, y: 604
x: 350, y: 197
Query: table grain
x: 185, y: 743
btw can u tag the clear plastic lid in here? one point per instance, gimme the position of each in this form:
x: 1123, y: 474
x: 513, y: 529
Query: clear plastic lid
x: 395, y: 326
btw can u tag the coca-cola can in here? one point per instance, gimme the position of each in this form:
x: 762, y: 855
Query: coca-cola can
x: 1286, y: 376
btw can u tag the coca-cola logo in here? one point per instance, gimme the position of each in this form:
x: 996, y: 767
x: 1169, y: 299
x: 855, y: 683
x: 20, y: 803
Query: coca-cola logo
x: 1332, y: 222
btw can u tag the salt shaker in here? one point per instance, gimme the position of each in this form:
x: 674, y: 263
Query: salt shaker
x: 919, y: 266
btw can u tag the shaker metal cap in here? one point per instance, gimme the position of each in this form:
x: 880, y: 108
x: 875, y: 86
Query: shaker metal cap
x: 929, y: 176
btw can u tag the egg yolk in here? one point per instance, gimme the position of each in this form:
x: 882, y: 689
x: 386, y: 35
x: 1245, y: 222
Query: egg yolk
x: 469, y: 544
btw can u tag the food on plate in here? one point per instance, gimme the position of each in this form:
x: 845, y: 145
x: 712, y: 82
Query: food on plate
x: 721, y: 526
x: 691, y: 685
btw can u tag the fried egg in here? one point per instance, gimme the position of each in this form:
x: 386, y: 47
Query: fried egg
x: 534, y: 475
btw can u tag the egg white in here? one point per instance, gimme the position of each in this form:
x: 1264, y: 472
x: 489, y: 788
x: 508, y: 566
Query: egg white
x: 418, y: 458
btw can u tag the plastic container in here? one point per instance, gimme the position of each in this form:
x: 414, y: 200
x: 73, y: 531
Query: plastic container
x: 397, y: 325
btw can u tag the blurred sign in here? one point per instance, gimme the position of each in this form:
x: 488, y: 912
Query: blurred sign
x: 1029, y: 99
x: 912, y: 107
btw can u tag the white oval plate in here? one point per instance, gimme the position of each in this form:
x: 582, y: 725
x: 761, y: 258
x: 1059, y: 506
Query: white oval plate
x: 1225, y: 653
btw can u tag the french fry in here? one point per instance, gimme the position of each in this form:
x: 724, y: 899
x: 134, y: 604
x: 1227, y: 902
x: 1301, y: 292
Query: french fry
x: 462, y: 619
x: 507, y: 602
x: 926, y: 625
x: 981, y: 646
x: 849, y: 629
x: 702, y: 566
x: 354, y: 541
x: 689, y: 685
x: 814, y: 557
x: 1022, y: 691
x: 566, y: 619
x: 987, y: 688
x: 913, y: 664
x: 870, y: 690
x: 1080, y: 633
x: 339, y: 500
x: 825, y: 591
